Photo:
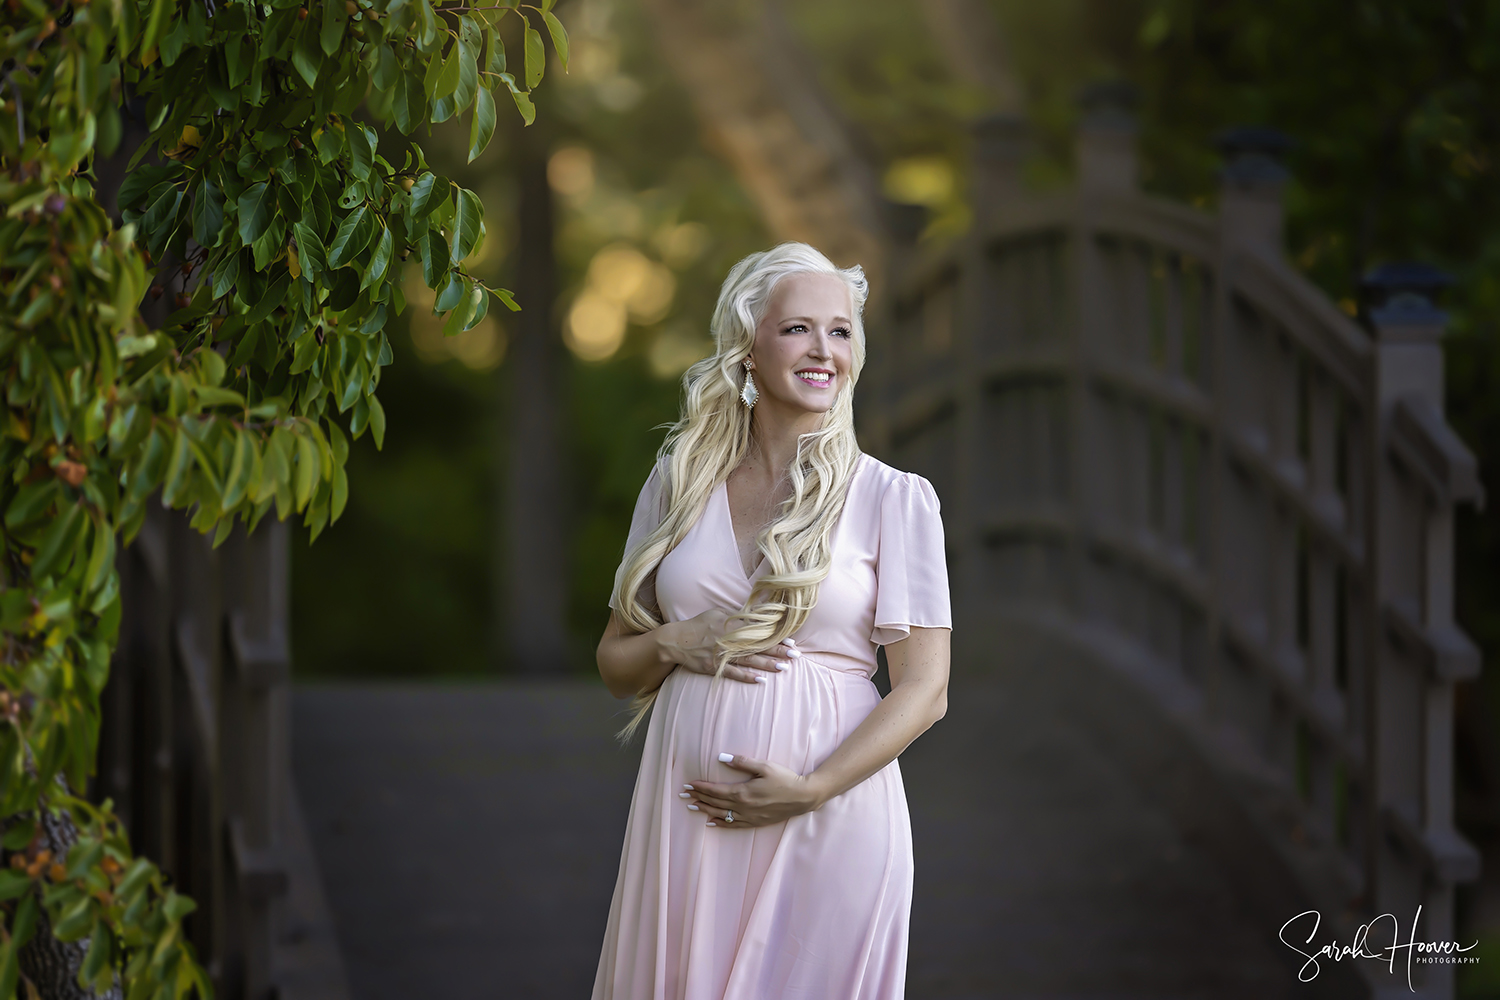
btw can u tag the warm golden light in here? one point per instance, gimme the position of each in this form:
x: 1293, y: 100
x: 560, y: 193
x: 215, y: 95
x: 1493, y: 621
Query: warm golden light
x: 596, y: 326
x: 676, y: 347
x: 920, y: 180
x: 570, y: 172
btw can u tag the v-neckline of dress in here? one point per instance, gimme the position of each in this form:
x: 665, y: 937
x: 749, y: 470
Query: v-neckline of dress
x: 734, y: 541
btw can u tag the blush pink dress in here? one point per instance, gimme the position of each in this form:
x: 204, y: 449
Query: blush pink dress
x: 815, y: 907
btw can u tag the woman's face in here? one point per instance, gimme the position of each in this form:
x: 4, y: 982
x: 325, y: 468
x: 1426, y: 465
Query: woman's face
x: 804, y: 344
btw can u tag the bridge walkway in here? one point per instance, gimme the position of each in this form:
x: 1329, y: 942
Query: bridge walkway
x: 1068, y: 845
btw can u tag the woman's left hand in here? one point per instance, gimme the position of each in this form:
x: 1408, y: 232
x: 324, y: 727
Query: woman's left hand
x: 772, y: 794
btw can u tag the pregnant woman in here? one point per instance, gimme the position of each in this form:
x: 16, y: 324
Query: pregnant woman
x: 768, y: 850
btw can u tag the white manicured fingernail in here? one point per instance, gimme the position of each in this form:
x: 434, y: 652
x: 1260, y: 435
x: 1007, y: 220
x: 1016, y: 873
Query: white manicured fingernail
x: 726, y: 757
x: 796, y: 653
x: 711, y: 823
x: 790, y: 641
x: 692, y: 807
x: 760, y: 678
x: 688, y: 787
x: 684, y: 795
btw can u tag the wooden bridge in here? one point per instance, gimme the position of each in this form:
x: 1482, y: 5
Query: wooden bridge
x: 1200, y: 529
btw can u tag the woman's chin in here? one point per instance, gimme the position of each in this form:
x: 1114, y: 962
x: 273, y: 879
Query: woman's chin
x: 813, y: 399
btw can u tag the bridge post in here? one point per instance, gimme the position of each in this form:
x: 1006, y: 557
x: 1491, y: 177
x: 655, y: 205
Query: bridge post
x: 1105, y: 142
x: 999, y: 146
x: 1421, y: 470
x: 1250, y: 196
x: 1098, y: 496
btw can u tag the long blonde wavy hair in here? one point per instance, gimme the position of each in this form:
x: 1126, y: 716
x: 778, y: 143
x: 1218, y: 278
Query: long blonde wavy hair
x: 709, y: 441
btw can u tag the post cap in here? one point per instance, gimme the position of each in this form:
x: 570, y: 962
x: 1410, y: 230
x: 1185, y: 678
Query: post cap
x: 1404, y: 294
x: 1109, y: 105
x: 903, y: 220
x: 999, y: 137
x: 1253, y: 155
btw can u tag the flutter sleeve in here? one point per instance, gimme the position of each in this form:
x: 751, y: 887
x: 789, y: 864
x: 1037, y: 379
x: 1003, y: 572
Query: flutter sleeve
x: 911, y: 569
x: 648, y: 514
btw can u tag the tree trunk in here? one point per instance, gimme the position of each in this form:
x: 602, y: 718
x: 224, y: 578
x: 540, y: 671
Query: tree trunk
x: 532, y: 620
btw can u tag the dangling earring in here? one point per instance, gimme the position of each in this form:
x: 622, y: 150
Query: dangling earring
x: 749, y: 394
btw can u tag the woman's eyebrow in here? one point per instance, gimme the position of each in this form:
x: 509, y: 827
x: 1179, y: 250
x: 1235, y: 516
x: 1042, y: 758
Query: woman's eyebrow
x: 809, y: 319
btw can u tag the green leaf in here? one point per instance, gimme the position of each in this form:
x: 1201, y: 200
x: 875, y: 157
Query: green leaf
x: 467, y: 223
x: 468, y: 74
x: 482, y: 126
x: 380, y: 260
x: 161, y: 217
x: 177, y: 468
x: 481, y: 307
x: 340, y: 493
x: 352, y: 237
x: 97, y: 961
x: 76, y: 921
x: 494, y: 54
x: 434, y: 250
x: 55, y: 549
x: 31, y: 500
x: 429, y: 28
x: 270, y: 244
x: 426, y: 194
x: 377, y: 422
x: 536, y: 57
x: 304, y: 352
x: 307, y: 58
x: 360, y: 152
x: 330, y: 142
x: 13, y: 882
x: 387, y: 69
x: 22, y: 926
x: 148, y: 42
x: 310, y: 252
x: 309, y: 467
x: 559, y: 36
x: 240, y: 467
x: 208, y: 214
x: 234, y: 56
x: 255, y: 211
x: 272, y: 297
x: 409, y: 104
x: 444, y: 79
x: 173, y: 41
x: 335, y: 17
x: 225, y: 275
x: 458, y: 319
x: 17, y: 837
x: 524, y: 105
x: 452, y: 293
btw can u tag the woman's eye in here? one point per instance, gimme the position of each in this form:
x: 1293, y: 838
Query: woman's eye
x: 842, y: 332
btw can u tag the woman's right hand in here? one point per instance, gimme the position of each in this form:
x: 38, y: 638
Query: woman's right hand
x: 691, y: 644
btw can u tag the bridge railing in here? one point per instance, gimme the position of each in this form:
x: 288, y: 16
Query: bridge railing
x: 1151, y: 434
x: 195, y: 748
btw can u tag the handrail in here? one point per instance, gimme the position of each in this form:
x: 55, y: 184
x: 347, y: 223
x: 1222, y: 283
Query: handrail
x: 1144, y: 423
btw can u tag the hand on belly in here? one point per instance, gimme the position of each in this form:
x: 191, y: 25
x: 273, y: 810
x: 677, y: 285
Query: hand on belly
x: 770, y: 794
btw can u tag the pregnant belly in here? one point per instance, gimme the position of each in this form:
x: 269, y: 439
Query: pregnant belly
x: 796, y: 718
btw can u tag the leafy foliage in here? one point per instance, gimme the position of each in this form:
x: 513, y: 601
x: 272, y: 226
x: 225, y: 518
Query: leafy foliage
x: 282, y: 219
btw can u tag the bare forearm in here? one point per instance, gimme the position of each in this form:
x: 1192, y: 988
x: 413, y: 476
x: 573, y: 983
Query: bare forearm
x: 903, y: 715
x: 631, y: 664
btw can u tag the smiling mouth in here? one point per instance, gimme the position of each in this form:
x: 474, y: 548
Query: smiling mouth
x: 819, y: 379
